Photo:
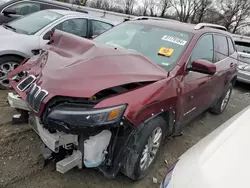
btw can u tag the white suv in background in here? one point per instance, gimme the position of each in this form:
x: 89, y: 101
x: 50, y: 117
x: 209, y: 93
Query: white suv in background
x: 242, y: 44
x: 22, y: 37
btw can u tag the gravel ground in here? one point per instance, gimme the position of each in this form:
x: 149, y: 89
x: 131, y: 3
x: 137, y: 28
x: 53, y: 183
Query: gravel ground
x: 21, y: 162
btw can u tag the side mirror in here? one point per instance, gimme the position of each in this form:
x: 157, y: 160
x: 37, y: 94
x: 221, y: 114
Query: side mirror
x: 47, y: 36
x: 9, y: 11
x: 203, y: 66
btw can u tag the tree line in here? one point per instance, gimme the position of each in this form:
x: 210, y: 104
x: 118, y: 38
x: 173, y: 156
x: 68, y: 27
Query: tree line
x: 233, y: 14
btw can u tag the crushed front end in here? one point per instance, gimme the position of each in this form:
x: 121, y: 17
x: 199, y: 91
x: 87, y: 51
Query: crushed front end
x: 73, y: 132
x: 86, y: 116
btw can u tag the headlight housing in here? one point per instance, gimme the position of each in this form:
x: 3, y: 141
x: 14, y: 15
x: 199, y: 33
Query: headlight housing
x: 75, y: 115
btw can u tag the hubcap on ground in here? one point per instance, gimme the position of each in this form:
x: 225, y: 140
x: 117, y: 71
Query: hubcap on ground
x: 5, y: 68
x: 151, y: 148
x: 225, y: 100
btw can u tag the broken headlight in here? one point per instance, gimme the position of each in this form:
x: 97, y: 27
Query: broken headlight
x: 77, y: 116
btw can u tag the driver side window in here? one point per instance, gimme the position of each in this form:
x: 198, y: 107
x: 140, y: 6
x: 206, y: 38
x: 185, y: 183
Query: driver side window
x: 77, y: 26
x: 204, y: 49
x: 25, y: 8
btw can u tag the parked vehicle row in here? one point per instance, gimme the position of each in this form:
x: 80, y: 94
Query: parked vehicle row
x: 243, y: 47
x: 108, y: 103
x: 25, y: 36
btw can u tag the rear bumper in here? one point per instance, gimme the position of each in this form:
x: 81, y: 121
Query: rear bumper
x: 243, y: 76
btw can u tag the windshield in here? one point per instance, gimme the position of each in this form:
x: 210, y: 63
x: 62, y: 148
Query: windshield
x: 243, y: 46
x: 161, y: 46
x: 32, y: 23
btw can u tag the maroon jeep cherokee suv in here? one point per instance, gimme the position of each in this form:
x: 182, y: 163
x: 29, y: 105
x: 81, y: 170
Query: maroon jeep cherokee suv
x: 108, y: 103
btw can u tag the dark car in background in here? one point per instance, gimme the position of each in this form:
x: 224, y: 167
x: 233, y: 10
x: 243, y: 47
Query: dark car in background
x: 12, y: 9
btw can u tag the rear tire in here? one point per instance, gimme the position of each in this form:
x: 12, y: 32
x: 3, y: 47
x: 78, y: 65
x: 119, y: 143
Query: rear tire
x: 144, y: 148
x: 7, y: 64
x: 221, y: 104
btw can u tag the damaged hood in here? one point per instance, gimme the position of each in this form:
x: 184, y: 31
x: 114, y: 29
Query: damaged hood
x: 77, y: 67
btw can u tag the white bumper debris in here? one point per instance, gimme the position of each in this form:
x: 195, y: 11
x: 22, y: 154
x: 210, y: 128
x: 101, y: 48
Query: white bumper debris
x: 16, y: 102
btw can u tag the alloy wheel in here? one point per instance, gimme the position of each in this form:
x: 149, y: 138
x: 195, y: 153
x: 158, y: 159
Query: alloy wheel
x: 5, y: 68
x: 225, y: 100
x: 151, y: 148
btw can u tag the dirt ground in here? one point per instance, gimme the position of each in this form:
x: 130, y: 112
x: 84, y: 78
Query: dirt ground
x: 21, y: 164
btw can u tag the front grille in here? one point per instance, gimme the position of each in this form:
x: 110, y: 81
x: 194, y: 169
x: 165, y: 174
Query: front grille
x: 25, y: 83
x: 35, y: 96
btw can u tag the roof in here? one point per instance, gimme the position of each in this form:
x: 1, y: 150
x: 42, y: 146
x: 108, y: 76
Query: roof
x: 74, y: 13
x: 180, y: 26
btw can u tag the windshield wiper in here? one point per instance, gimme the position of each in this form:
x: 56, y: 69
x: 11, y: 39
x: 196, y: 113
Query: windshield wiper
x: 9, y: 27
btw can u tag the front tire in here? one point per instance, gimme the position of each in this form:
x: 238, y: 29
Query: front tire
x: 144, y: 149
x: 221, y: 105
x: 7, y: 64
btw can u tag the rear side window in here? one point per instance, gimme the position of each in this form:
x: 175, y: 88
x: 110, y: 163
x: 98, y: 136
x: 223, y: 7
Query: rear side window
x: 230, y: 46
x: 77, y: 26
x: 220, y: 47
x: 203, y: 49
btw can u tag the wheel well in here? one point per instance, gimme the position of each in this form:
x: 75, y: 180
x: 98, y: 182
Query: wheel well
x: 168, y: 116
x: 15, y: 55
x: 233, y: 80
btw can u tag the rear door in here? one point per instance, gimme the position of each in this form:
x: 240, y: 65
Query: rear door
x: 225, y: 61
x: 76, y: 26
x: 196, y: 93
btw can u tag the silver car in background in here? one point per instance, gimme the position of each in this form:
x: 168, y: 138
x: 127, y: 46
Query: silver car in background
x: 23, y: 37
x: 243, y: 47
x: 220, y: 160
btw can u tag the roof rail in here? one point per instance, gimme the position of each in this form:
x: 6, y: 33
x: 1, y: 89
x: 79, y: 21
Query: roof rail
x: 215, y: 26
x: 151, y: 18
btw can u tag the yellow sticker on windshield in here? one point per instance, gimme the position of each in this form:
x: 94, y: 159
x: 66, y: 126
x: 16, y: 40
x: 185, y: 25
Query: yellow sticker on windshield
x: 166, y: 51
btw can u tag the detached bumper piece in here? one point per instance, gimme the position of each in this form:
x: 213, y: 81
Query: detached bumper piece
x: 16, y: 102
x: 55, y: 140
x: 70, y: 162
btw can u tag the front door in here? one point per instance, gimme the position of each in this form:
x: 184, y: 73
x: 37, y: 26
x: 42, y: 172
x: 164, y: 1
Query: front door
x: 195, y: 88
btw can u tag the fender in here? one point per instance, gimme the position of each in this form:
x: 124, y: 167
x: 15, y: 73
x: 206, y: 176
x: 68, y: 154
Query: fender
x: 231, y: 79
x: 170, y: 117
x: 13, y: 52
